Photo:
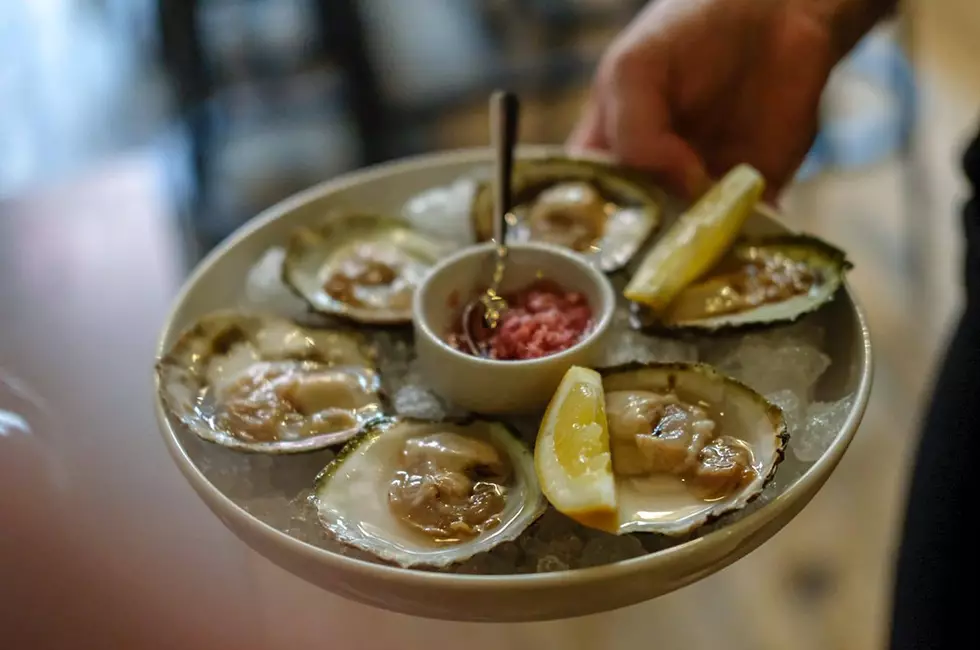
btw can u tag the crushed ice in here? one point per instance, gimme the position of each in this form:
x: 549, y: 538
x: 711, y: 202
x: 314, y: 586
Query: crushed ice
x: 784, y: 364
x: 555, y: 543
x: 624, y: 344
x: 265, y: 291
x: 410, y: 397
x: 444, y: 212
x: 824, y: 421
x: 791, y: 406
x: 787, y: 358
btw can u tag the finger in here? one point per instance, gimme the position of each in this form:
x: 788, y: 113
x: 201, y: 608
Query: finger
x: 649, y: 145
x: 772, y: 196
x: 589, y: 133
x: 640, y: 135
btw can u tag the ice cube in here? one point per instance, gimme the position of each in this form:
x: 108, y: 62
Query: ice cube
x: 786, y: 358
x: 604, y: 548
x: 552, y: 524
x: 624, y: 344
x: 823, y: 422
x: 416, y: 401
x: 444, y: 211
x: 265, y: 290
x: 789, y: 403
x: 550, y: 563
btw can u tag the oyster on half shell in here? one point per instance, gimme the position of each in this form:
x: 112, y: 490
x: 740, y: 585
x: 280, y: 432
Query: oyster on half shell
x: 261, y: 383
x: 422, y: 493
x: 762, y: 281
x: 362, y: 267
x: 594, y: 208
x: 688, y: 445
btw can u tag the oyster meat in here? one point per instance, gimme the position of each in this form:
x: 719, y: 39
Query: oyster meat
x: 590, y: 207
x: 360, y: 266
x: 421, y: 493
x: 688, y: 445
x: 761, y: 281
x: 264, y: 384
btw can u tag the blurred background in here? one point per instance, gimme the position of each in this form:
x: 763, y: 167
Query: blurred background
x: 136, y: 134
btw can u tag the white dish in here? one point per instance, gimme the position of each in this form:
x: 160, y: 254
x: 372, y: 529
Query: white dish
x: 249, y: 493
x: 497, y: 387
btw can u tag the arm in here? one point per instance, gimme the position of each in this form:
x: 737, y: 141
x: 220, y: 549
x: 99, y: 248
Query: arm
x: 694, y: 87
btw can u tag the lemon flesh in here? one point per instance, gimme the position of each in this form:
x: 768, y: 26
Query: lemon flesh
x: 697, y: 240
x: 572, y: 456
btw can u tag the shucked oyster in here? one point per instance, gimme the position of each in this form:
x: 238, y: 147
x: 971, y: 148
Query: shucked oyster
x: 688, y: 445
x: 761, y: 281
x: 421, y: 493
x: 264, y: 384
x: 590, y: 207
x: 360, y: 266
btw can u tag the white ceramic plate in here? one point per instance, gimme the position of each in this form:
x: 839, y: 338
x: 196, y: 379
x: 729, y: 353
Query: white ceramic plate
x: 247, y: 491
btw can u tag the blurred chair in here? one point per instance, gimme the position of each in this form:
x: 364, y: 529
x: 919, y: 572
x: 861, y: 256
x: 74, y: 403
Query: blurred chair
x: 371, y: 80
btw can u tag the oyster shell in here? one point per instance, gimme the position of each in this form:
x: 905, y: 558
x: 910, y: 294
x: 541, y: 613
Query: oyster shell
x: 594, y: 208
x: 362, y: 267
x: 423, y: 493
x: 688, y: 445
x: 260, y: 383
x: 761, y: 281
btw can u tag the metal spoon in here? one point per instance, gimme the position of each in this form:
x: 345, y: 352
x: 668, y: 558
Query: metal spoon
x: 484, y: 312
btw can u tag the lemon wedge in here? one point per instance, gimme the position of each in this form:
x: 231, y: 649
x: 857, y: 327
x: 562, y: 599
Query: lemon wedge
x: 572, y: 456
x: 697, y: 240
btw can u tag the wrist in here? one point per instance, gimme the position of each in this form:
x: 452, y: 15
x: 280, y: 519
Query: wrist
x: 846, y: 21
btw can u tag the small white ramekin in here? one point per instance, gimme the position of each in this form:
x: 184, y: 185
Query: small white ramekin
x: 503, y: 387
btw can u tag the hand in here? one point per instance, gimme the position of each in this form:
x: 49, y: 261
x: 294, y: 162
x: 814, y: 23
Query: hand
x: 694, y: 87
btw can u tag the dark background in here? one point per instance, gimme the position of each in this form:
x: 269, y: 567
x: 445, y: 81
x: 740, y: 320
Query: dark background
x: 251, y: 100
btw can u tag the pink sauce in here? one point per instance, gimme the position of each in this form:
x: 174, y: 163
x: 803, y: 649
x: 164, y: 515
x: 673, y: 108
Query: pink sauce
x: 541, y: 320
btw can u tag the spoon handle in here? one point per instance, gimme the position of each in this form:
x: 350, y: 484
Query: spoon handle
x: 504, y: 111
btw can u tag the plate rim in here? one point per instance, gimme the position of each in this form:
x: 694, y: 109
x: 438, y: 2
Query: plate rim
x: 739, y: 530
